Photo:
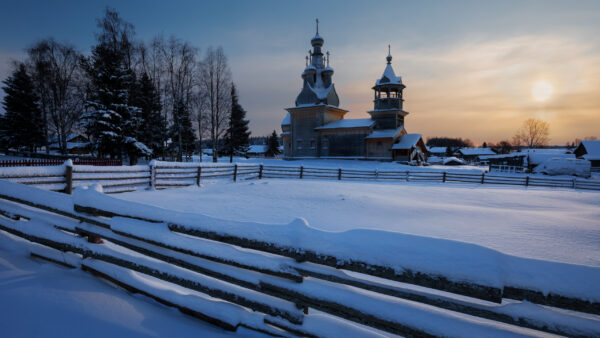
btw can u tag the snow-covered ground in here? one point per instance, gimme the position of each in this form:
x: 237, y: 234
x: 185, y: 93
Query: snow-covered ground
x: 549, y: 224
x: 41, y: 299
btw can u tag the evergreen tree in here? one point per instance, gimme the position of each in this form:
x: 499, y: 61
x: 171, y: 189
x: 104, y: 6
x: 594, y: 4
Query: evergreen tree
x: 23, y: 122
x: 182, y: 132
x: 237, y: 134
x: 273, y: 145
x: 111, y: 120
x: 150, y: 129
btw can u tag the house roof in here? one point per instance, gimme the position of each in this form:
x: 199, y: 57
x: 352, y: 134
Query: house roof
x: 592, y: 149
x: 438, y: 150
x: 347, y: 123
x: 258, y: 148
x: 476, y: 151
x: 487, y: 157
x: 407, y: 141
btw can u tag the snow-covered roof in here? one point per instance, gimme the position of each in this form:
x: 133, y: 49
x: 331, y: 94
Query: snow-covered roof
x: 487, y: 157
x: 348, y: 123
x: 389, y: 77
x: 258, y: 149
x: 71, y: 145
x: 286, y: 120
x: 407, y: 141
x: 438, y: 150
x: 592, y: 149
x: 54, y: 138
x: 385, y: 133
x: 538, y: 156
x: 453, y: 160
x: 476, y: 151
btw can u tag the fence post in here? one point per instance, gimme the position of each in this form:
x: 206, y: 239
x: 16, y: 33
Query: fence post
x: 234, y: 172
x: 339, y: 174
x: 376, y: 174
x: 444, y: 177
x: 69, y: 177
x: 527, y: 181
x: 482, y: 177
x: 574, y: 182
x: 260, y: 170
x: 199, y: 175
x: 301, y: 171
x: 407, y: 175
x: 152, y: 166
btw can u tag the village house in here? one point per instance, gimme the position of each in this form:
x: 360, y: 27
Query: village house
x: 589, y: 150
x: 315, y: 127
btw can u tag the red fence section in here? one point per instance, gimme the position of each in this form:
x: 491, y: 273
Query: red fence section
x: 47, y: 162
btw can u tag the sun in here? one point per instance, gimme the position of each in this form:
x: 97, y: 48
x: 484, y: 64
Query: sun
x: 541, y: 91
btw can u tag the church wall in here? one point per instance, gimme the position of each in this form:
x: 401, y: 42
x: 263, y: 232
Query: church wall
x: 345, y: 142
x: 379, y: 147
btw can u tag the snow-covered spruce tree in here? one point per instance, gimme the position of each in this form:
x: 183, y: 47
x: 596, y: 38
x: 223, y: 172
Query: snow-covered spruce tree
x: 110, y: 120
x: 182, y: 132
x: 23, y: 120
x: 273, y: 145
x: 151, y: 129
x: 237, y: 134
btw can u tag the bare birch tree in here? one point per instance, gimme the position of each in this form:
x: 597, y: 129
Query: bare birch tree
x: 215, y: 82
x: 61, y: 86
x: 533, y: 133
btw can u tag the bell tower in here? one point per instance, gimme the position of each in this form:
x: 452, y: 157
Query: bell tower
x: 388, y: 99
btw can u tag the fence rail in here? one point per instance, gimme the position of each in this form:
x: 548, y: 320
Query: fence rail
x: 271, y: 288
x: 54, y: 162
x: 172, y: 174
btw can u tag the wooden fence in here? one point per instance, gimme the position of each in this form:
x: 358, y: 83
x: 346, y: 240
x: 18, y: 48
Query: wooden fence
x: 53, y: 162
x: 270, y: 288
x: 173, y: 174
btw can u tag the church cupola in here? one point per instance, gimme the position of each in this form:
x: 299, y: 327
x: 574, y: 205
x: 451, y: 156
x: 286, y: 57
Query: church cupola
x: 317, y: 86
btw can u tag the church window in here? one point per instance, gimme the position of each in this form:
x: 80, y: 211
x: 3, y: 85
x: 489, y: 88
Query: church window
x: 299, y: 144
x: 312, y: 144
x: 324, y: 143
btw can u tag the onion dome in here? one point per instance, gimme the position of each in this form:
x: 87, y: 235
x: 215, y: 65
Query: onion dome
x: 317, y: 41
x: 327, y: 71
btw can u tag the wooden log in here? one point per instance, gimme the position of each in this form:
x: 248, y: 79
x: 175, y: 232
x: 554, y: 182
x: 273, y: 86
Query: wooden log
x: 182, y: 309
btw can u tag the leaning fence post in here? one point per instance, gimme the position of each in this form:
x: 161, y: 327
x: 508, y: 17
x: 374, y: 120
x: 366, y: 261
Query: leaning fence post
x: 260, y: 170
x: 69, y: 177
x: 527, y: 181
x: 482, y: 177
x: 199, y: 175
x: 407, y: 175
x: 444, y: 177
x: 234, y: 172
x: 301, y: 171
x: 339, y: 174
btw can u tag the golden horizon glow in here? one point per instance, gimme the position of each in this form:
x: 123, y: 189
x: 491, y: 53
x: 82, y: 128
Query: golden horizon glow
x: 542, y: 91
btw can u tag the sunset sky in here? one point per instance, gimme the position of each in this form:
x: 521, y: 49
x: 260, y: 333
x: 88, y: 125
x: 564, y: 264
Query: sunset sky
x: 474, y: 70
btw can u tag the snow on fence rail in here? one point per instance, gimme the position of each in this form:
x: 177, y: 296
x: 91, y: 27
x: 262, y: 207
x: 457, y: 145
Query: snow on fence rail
x: 52, y: 162
x: 292, y: 268
x: 162, y: 175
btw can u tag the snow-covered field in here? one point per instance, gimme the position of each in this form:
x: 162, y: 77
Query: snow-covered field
x: 549, y: 224
x: 41, y: 299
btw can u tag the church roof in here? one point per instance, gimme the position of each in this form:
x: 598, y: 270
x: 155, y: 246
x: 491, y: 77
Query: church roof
x: 385, y: 133
x: 347, y: 123
x: 286, y: 120
x: 407, y: 141
x: 389, y: 77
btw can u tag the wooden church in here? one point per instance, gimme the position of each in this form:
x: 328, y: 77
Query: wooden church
x: 315, y: 127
